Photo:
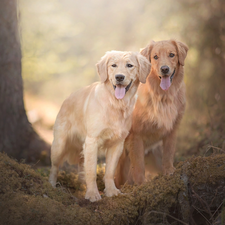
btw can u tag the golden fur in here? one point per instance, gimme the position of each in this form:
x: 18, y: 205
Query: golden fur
x: 157, y: 112
x: 93, y: 118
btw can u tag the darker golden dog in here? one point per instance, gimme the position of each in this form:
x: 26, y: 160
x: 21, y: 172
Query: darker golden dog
x: 158, y: 111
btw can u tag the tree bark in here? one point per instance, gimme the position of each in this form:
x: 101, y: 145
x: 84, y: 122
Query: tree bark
x: 17, y: 137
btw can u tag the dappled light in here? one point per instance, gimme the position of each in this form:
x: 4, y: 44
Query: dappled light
x: 56, y: 52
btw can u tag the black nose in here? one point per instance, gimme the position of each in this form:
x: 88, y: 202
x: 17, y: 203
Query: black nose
x: 165, y: 69
x: 119, y: 77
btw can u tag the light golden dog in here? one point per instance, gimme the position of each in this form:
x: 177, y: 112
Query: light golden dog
x: 158, y: 111
x: 99, y: 117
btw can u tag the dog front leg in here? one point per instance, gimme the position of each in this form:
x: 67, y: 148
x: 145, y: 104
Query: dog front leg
x: 112, y: 157
x: 169, y: 145
x: 137, y: 159
x: 90, y: 166
x: 122, y: 169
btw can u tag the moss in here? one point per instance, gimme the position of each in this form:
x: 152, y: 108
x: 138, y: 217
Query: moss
x: 223, y: 213
x: 208, y: 169
x: 100, y: 176
x: 26, y: 197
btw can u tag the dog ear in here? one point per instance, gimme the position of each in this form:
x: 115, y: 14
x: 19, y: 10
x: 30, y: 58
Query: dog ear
x: 102, y: 67
x: 144, y: 68
x: 182, y: 50
x: 147, y: 50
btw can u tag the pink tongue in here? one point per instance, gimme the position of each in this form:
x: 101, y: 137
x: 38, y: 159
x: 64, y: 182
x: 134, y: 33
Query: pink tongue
x: 165, y: 83
x: 120, y: 92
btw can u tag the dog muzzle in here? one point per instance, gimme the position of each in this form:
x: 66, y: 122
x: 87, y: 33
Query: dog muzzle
x: 120, y: 90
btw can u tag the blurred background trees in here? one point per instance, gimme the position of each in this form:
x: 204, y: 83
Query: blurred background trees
x: 17, y: 137
x: 63, y: 40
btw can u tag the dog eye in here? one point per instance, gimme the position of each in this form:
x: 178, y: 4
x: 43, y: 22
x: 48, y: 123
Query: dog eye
x: 171, y: 55
x: 129, y: 65
x: 156, y: 57
x: 113, y: 65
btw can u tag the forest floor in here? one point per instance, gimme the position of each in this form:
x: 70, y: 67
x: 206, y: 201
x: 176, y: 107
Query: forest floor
x: 194, y: 194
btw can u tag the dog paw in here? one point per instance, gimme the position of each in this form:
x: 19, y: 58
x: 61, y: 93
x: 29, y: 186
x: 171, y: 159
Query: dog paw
x: 168, y: 171
x: 52, y: 182
x: 109, y: 192
x: 93, y: 196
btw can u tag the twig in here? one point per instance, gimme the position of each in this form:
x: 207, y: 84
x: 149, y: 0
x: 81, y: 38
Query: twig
x: 165, y: 214
x: 213, y: 198
x: 76, y: 199
x: 204, y: 204
x: 216, y: 210
x: 201, y: 214
x: 62, y: 188
x: 216, y: 221
x: 67, y: 190
x: 35, y: 163
x: 138, y: 217
x: 211, y: 146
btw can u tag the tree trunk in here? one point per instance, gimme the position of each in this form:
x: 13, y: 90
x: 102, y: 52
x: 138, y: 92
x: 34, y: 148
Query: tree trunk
x: 17, y: 137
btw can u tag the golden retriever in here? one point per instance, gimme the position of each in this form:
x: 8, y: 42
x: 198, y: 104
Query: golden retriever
x: 99, y: 117
x: 158, y: 111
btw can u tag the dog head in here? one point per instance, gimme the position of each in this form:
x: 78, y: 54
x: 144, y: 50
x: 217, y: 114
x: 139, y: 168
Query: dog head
x: 123, y: 70
x: 165, y: 57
